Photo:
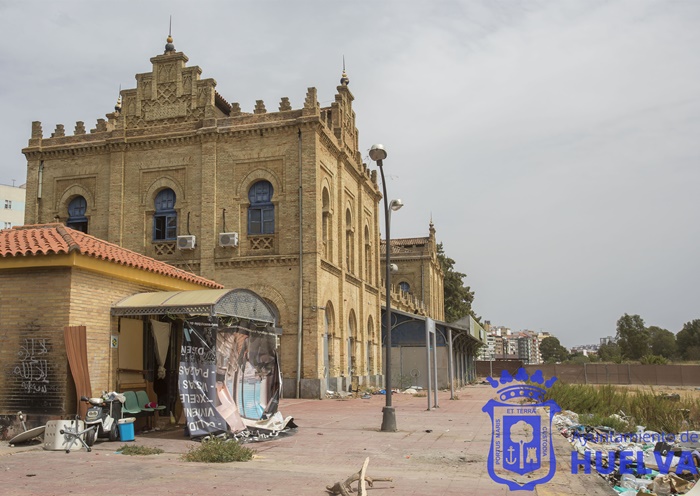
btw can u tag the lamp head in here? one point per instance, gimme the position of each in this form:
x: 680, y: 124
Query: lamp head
x: 377, y: 153
x: 395, y: 204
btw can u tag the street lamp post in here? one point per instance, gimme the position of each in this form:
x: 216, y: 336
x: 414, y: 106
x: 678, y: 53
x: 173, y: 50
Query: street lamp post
x: 378, y: 154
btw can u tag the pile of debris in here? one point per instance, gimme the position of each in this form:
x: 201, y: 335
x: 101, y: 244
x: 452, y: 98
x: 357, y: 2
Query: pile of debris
x: 640, y: 462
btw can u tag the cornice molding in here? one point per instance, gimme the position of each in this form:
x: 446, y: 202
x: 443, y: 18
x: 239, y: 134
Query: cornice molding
x: 353, y: 280
x: 267, y: 261
x: 371, y: 289
x: 329, y: 267
x: 147, y: 139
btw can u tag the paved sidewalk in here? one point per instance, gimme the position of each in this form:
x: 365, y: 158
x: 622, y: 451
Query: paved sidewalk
x: 437, y: 452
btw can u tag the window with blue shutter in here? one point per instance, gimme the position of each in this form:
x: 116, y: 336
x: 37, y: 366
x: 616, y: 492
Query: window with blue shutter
x: 165, y: 217
x: 261, y: 213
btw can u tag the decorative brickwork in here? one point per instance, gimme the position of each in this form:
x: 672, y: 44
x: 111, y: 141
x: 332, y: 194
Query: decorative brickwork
x: 285, y: 105
x: 262, y: 243
x: 79, y: 128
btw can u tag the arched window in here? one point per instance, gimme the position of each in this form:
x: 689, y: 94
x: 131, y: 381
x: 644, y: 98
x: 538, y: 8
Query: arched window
x: 405, y: 287
x: 326, y: 224
x: 349, y: 242
x: 76, y: 214
x: 370, y: 344
x: 352, y: 330
x: 333, y: 341
x: 261, y: 213
x: 368, y: 256
x: 165, y: 217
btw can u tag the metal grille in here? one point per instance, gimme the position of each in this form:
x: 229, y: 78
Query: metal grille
x: 239, y: 303
x: 244, y: 304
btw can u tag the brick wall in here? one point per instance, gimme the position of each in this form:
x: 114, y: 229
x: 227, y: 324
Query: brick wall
x: 34, y: 376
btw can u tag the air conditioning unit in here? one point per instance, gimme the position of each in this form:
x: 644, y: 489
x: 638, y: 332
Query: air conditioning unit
x: 187, y: 242
x: 228, y: 239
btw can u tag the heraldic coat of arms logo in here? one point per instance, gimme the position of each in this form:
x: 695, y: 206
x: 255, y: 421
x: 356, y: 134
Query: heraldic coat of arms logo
x: 521, y: 454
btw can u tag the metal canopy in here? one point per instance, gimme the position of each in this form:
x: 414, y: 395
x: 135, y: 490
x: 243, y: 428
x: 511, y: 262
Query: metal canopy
x: 239, y: 303
x: 409, y: 330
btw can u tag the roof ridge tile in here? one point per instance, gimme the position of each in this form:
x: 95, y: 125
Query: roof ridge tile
x: 56, y: 238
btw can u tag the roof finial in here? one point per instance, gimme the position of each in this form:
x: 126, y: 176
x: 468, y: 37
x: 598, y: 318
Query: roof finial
x: 118, y: 106
x: 344, y: 79
x: 169, y: 47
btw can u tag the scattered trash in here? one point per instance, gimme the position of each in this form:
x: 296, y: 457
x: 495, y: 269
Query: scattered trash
x: 344, y: 489
x: 338, y: 395
x: 669, y: 397
x: 631, y: 462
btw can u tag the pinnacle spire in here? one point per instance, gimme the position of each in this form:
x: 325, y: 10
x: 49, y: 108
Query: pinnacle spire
x: 344, y: 78
x: 118, y: 106
x: 169, y: 47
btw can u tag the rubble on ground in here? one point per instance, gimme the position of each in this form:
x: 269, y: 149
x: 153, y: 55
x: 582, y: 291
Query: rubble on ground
x: 634, y: 463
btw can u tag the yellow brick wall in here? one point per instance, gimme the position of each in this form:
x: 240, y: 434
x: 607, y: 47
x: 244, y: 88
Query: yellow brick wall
x: 35, y: 306
x: 92, y: 296
x: 33, y: 311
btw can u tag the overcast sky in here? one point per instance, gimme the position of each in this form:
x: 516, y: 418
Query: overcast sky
x: 555, y: 144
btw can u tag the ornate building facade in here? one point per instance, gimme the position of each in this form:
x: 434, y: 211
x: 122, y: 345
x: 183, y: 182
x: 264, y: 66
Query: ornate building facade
x: 278, y: 202
x: 418, y: 283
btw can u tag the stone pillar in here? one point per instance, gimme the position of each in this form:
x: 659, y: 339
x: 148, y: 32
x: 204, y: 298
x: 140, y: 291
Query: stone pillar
x: 115, y: 199
x: 207, y: 236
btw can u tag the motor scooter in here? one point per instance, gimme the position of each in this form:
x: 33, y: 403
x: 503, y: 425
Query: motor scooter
x: 104, y: 414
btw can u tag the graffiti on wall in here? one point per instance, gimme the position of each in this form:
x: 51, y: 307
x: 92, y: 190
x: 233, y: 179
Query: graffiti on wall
x: 32, y: 368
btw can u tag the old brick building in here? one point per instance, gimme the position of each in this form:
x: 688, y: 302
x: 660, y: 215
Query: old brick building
x: 56, y: 283
x: 418, y: 283
x: 179, y: 174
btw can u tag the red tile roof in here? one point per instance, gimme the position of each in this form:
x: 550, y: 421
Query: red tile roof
x: 405, y: 245
x: 46, y: 239
x: 409, y: 241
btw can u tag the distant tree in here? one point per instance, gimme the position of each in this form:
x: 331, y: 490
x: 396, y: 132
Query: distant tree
x: 632, y: 337
x: 663, y: 342
x: 552, y: 350
x: 577, y: 357
x: 688, y: 340
x: 610, y: 353
x: 458, y: 297
x: 653, y: 360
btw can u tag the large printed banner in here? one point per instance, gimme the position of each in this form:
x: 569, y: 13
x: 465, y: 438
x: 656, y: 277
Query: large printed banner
x: 197, y: 379
x: 229, y: 379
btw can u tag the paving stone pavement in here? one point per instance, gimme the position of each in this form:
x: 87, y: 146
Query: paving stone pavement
x: 438, y: 452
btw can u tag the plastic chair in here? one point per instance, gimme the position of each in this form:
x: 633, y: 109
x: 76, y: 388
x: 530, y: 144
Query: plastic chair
x: 131, y: 405
x: 143, y: 400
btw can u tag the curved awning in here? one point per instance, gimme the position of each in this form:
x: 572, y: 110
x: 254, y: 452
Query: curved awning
x: 239, y: 303
x: 408, y: 329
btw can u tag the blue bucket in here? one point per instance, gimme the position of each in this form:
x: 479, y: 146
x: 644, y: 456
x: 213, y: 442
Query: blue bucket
x: 126, y: 429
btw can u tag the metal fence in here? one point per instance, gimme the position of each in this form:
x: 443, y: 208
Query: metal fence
x: 494, y: 368
x: 612, y: 373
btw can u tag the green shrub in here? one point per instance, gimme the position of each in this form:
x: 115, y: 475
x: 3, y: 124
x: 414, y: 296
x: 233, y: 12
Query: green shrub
x: 617, y: 423
x: 218, y: 451
x: 639, y: 407
x: 139, y: 450
x: 653, y: 360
